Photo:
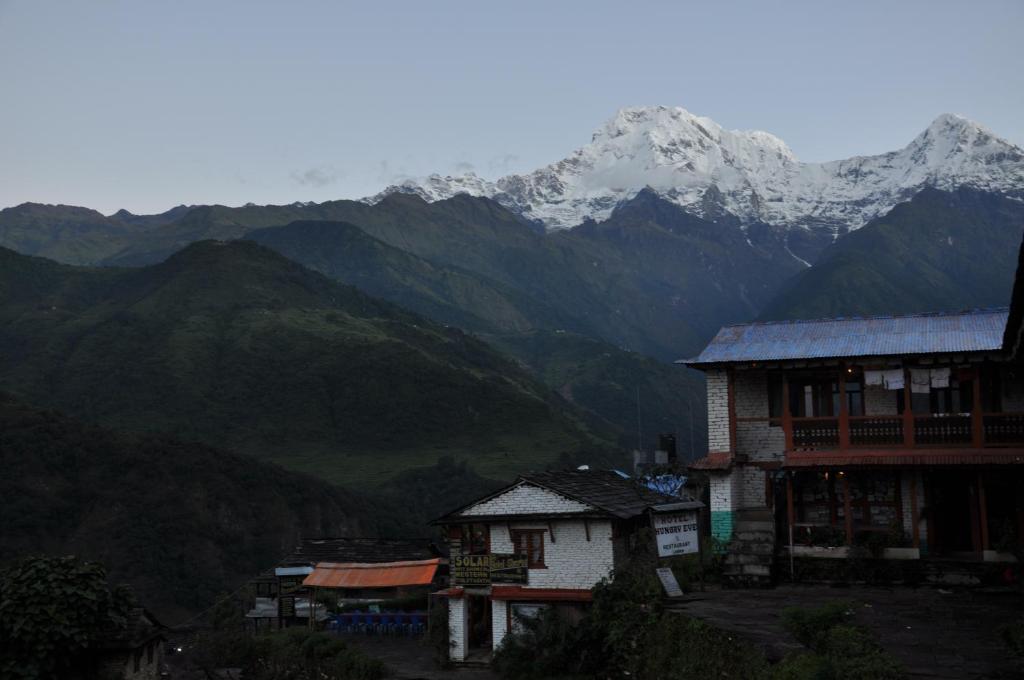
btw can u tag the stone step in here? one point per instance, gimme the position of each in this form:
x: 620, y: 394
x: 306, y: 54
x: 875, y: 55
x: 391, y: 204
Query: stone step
x: 756, y: 536
x: 751, y: 525
x: 762, y: 514
x: 763, y: 548
x: 742, y: 560
x: 748, y: 570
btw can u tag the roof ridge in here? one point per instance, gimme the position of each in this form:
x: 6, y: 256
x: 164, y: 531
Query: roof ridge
x: 971, y: 311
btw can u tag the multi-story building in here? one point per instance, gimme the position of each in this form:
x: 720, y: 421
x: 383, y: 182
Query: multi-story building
x: 544, y: 541
x: 905, y: 429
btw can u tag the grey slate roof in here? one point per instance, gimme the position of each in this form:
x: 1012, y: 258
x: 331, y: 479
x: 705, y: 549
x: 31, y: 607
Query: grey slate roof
x: 365, y: 550
x: 940, y: 333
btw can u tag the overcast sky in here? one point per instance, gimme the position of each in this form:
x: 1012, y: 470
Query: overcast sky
x: 145, y: 105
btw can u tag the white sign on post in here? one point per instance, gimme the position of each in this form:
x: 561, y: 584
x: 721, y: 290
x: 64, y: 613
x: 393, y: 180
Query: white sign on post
x: 669, y: 582
x: 676, y: 533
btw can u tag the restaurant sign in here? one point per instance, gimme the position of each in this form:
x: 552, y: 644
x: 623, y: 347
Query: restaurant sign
x: 676, y: 533
x: 483, y: 570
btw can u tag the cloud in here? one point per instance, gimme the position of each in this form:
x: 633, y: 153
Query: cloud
x: 464, y: 167
x: 319, y: 176
x: 501, y: 165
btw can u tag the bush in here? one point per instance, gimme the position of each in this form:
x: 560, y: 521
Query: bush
x: 1013, y: 636
x: 840, y: 649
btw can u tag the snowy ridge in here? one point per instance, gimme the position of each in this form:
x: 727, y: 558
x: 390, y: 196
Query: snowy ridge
x: 753, y: 175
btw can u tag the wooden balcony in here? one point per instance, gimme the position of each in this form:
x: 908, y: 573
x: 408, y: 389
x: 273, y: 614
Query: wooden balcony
x: 905, y: 431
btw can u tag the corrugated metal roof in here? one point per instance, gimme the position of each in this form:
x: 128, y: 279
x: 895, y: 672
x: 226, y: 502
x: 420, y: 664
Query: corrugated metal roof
x: 378, y: 575
x: 970, y: 331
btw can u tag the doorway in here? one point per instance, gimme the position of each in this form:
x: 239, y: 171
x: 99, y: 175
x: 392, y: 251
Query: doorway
x: 952, y: 513
x: 478, y: 621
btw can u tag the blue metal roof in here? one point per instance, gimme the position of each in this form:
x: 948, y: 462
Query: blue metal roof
x: 971, y: 331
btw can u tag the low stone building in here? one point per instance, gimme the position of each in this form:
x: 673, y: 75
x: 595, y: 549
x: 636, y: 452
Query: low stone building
x: 544, y: 541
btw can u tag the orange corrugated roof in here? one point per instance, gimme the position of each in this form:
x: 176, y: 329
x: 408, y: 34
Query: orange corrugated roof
x: 366, y: 575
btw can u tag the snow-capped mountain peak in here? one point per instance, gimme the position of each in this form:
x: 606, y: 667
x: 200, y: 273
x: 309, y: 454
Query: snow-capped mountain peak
x: 696, y: 163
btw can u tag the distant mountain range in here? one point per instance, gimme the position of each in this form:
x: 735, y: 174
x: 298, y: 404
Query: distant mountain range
x: 753, y: 176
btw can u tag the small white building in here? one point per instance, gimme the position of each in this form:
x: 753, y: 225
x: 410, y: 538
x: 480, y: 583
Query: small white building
x: 544, y: 541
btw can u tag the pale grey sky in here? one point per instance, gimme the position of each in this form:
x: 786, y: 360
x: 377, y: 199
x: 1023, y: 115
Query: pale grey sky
x: 145, y: 105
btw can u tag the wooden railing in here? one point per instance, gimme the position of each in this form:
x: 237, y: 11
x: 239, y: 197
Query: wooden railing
x: 929, y: 431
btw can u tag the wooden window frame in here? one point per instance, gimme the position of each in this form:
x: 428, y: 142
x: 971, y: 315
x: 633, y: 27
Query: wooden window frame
x: 515, y: 535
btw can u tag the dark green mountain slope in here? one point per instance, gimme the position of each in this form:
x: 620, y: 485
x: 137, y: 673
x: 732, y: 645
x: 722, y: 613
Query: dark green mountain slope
x: 594, y: 375
x: 180, y: 522
x: 461, y: 298
x: 233, y: 345
x: 941, y: 251
x: 606, y: 381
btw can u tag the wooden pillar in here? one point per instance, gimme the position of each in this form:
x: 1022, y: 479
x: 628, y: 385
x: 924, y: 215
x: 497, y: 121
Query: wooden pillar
x: 983, y: 511
x: 732, y: 410
x: 908, y: 411
x: 975, y: 514
x: 844, y: 411
x: 915, y: 519
x: 847, y: 509
x: 787, y: 414
x: 977, y: 418
x: 790, y: 509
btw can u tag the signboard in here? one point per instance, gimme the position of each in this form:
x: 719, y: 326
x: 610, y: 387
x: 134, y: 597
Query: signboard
x: 471, y: 570
x: 669, y: 582
x: 289, y: 584
x: 676, y: 533
x: 509, y: 569
x: 285, y: 607
x: 483, y: 570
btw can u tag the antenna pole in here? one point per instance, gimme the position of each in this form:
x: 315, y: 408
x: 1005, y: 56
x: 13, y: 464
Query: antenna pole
x: 639, y: 431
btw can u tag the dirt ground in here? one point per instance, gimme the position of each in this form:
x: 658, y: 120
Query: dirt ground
x: 936, y: 633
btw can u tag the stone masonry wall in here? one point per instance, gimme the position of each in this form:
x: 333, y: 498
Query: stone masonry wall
x: 526, y: 499
x: 879, y: 401
x: 499, y: 622
x: 571, y: 561
x: 718, y: 410
x: 760, y: 441
x: 458, y: 629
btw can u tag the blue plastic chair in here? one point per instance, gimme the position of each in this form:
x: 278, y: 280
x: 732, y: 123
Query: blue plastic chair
x: 418, y: 624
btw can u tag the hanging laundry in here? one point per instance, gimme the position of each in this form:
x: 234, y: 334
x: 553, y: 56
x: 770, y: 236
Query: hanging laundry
x: 920, y: 381
x: 893, y: 379
x: 940, y: 377
x: 874, y: 378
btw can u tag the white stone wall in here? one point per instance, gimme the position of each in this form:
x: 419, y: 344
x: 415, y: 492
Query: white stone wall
x: 571, y: 560
x: 458, y: 628
x: 879, y: 401
x: 757, y: 440
x: 723, y: 492
x: 526, y: 499
x: 499, y: 622
x: 751, y: 483
x: 718, y: 410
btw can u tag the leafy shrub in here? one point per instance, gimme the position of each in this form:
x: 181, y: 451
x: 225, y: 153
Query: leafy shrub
x: 810, y: 627
x: 51, y: 610
x: 840, y: 650
x: 1013, y: 636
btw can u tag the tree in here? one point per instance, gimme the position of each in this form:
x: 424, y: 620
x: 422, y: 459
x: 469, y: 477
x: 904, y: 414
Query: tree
x: 51, y: 610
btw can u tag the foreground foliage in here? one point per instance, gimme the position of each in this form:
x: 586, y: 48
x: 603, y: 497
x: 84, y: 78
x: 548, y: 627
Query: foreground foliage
x: 51, y: 610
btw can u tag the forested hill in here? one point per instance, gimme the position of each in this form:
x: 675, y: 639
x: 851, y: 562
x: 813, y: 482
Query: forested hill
x: 236, y: 346
x: 181, y: 522
x: 941, y: 251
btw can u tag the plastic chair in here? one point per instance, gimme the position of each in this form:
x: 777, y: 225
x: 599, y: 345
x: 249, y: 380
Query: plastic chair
x: 418, y: 624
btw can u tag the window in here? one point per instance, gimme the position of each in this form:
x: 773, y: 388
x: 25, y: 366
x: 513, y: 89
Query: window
x: 523, y: 611
x: 957, y: 398
x: 774, y: 396
x: 529, y: 542
x: 475, y: 539
x: 813, y: 396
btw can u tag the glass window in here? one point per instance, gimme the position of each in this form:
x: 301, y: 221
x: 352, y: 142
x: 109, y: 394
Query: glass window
x: 475, y: 539
x: 524, y: 611
x: 530, y: 543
